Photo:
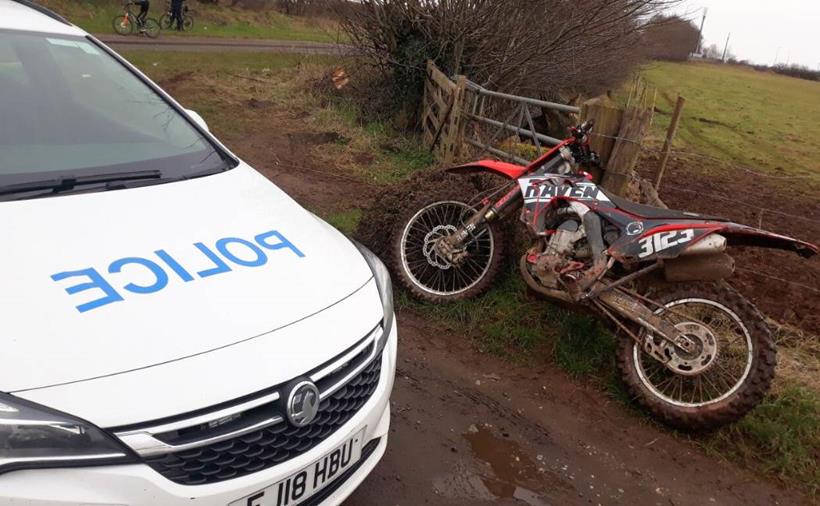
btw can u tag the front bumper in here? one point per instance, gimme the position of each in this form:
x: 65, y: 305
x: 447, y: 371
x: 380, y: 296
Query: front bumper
x: 138, y: 484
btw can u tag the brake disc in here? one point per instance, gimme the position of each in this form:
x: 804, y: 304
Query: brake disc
x: 431, y: 239
x: 680, y: 362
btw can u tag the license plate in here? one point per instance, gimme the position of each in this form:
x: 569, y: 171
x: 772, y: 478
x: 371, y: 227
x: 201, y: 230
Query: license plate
x: 299, y: 486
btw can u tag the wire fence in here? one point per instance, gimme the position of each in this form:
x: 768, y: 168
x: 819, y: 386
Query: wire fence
x: 728, y: 165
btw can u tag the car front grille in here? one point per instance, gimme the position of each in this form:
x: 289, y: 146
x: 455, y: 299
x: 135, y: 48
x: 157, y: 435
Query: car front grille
x: 270, y: 445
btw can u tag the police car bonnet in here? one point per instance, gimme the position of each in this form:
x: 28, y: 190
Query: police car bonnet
x: 100, y: 283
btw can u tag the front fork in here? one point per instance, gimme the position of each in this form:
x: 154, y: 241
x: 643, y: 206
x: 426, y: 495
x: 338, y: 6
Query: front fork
x: 491, y: 211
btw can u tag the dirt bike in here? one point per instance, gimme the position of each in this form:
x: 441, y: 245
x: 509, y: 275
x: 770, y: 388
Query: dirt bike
x: 691, y: 350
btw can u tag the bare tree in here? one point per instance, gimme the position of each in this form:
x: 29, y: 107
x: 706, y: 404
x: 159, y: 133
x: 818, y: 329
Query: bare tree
x: 534, y: 47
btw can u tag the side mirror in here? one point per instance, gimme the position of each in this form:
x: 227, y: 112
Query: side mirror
x: 198, y: 119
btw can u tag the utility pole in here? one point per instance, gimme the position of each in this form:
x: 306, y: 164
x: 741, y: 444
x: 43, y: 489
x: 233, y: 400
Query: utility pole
x: 775, y: 56
x: 700, y: 32
x: 726, y: 47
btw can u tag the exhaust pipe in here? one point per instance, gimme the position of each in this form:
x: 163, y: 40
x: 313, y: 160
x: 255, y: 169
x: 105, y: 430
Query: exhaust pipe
x: 714, y: 243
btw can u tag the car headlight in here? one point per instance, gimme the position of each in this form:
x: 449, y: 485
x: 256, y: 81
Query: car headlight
x: 35, y: 436
x: 385, y: 286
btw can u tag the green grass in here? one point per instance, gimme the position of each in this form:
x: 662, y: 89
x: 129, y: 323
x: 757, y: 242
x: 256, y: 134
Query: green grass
x: 346, y: 221
x: 510, y: 322
x: 758, y: 119
x: 780, y: 437
x: 209, y: 20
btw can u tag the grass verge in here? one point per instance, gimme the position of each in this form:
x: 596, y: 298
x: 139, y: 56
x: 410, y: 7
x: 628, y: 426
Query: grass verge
x: 209, y: 20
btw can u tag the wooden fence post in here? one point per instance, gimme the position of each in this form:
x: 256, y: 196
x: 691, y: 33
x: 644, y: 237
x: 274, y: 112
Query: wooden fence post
x: 670, y: 136
x: 607, y: 117
x: 455, y: 130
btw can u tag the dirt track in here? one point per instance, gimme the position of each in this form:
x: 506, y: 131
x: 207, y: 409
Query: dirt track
x: 469, y: 429
x: 215, y: 44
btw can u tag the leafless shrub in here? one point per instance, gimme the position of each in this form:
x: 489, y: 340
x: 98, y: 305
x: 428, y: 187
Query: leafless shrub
x: 671, y: 38
x: 530, y: 47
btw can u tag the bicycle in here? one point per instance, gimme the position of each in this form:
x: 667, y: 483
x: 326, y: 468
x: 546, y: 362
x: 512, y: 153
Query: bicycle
x: 165, y: 21
x: 125, y: 23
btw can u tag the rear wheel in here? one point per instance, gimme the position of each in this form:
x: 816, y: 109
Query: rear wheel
x: 165, y: 21
x: 187, y: 23
x: 428, y: 275
x: 727, y: 374
x: 122, y: 25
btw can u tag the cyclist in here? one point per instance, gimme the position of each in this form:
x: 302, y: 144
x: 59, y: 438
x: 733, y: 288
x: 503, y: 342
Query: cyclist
x: 144, y: 6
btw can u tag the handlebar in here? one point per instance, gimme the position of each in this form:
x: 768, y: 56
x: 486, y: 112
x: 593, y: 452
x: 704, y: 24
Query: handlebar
x: 580, y: 131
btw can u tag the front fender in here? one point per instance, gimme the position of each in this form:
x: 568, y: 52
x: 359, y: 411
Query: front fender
x: 508, y: 170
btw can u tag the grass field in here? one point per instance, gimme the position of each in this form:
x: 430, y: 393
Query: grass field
x: 209, y: 20
x: 758, y: 119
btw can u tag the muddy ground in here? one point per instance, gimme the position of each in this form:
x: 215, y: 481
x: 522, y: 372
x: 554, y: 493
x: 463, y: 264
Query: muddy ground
x: 783, y: 285
x: 472, y: 429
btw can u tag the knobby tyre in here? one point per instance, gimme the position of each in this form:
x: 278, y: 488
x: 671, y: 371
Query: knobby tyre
x: 729, y: 386
x: 426, y: 275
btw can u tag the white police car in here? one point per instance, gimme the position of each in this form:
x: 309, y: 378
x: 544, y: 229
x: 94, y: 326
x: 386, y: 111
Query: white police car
x: 175, y: 329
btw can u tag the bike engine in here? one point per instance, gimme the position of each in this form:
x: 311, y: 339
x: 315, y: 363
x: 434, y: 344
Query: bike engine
x: 562, y: 254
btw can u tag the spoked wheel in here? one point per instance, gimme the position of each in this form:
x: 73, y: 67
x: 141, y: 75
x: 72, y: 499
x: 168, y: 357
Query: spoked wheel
x: 187, y: 23
x: 719, y: 381
x: 122, y: 25
x: 433, y: 276
x: 165, y: 21
x: 151, y: 28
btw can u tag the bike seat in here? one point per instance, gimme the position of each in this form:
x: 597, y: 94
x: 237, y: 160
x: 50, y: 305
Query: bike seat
x: 656, y: 213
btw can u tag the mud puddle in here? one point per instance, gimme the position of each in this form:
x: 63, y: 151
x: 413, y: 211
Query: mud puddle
x: 512, y: 474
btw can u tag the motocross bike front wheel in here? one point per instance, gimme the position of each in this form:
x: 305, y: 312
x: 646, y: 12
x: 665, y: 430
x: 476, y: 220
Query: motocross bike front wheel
x: 428, y: 275
x: 727, y: 374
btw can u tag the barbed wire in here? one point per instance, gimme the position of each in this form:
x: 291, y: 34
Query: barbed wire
x: 746, y: 204
x: 689, y: 154
x: 776, y: 278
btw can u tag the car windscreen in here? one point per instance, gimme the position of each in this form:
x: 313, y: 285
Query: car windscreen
x: 70, y: 109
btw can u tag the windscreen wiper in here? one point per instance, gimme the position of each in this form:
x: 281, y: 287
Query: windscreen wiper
x: 67, y: 183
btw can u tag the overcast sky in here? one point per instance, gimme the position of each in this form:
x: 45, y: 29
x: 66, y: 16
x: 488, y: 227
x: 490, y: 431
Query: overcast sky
x: 760, y: 27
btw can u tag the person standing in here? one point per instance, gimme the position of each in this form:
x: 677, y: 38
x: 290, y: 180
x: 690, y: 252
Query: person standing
x: 176, y: 13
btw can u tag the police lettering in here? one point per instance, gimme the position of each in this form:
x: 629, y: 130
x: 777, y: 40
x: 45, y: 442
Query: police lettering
x: 222, y: 257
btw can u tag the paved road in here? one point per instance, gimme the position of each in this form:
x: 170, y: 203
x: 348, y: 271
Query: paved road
x: 216, y: 44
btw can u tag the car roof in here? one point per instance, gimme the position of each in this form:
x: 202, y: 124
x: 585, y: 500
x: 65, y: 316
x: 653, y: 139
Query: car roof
x: 20, y: 15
